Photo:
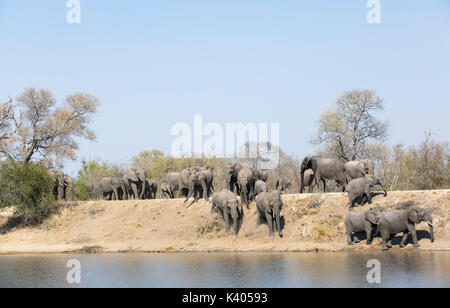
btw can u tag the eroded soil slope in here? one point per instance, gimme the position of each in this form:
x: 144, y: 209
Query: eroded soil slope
x: 312, y: 221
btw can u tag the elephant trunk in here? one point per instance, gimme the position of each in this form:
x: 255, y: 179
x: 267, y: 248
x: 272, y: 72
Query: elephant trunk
x: 278, y: 222
x: 205, y: 191
x: 144, y: 183
x: 235, y: 216
x: 302, y: 180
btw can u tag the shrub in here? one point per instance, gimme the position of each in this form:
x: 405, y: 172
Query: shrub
x: 28, y: 187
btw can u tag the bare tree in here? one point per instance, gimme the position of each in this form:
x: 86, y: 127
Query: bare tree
x: 350, y: 130
x: 34, y: 127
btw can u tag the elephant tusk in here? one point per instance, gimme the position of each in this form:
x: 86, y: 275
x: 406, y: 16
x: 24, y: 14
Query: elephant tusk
x: 429, y: 223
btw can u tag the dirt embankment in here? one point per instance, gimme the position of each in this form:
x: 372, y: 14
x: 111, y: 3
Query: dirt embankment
x: 312, y: 222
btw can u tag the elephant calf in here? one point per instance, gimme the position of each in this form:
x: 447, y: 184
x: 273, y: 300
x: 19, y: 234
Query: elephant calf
x: 151, y: 187
x: 109, y: 188
x: 260, y: 186
x: 226, y: 204
x: 269, y: 208
x: 405, y: 221
x: 361, y: 221
x: 283, y: 184
x: 361, y: 189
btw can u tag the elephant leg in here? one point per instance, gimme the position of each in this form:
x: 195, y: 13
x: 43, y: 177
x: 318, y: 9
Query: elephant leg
x: 270, y: 223
x: 60, y: 192
x: 384, y: 238
x: 412, y: 230
x: 349, y: 238
x: 324, y: 183
x: 368, y: 196
x: 368, y: 234
x: 226, y: 216
x: 135, y: 191
x: 259, y: 220
x: 389, y: 240
x: 316, y: 180
x: 205, y: 191
x: 405, y: 236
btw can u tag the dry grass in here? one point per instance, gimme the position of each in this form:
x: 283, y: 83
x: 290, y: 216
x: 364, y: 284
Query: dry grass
x: 311, y: 220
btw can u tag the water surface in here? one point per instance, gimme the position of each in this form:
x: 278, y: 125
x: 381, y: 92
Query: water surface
x: 272, y: 270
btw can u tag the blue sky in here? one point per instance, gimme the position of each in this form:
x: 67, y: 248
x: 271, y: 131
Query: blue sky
x: 155, y: 63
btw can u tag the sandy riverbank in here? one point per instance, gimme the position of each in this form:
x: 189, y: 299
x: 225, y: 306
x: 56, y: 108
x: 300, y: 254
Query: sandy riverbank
x: 312, y: 222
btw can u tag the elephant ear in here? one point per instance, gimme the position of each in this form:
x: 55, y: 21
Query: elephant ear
x: 413, y: 215
x: 131, y: 175
x: 371, y: 217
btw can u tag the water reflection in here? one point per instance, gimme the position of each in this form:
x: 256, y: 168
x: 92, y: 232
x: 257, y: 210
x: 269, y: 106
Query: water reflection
x: 399, y: 269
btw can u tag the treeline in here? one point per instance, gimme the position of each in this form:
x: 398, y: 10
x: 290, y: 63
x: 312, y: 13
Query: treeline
x: 401, y: 168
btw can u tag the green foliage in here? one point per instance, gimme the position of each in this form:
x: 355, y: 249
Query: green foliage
x: 157, y: 165
x: 90, y: 174
x: 28, y: 187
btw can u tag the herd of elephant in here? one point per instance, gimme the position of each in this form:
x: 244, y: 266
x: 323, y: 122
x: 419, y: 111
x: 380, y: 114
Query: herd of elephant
x: 355, y: 177
x: 62, y: 185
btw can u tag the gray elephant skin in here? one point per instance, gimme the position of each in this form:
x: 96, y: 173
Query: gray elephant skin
x: 184, y: 180
x: 357, y: 169
x: 226, y: 204
x: 260, y: 186
x: 232, y: 176
x: 308, y: 179
x: 361, y: 189
x: 135, y: 183
x: 57, y: 176
x: 405, y: 220
x: 324, y: 169
x: 171, y: 182
x: 361, y: 221
x: 166, y: 192
x: 68, y: 188
x: 282, y: 185
x: 269, y: 205
x: 246, y: 184
x: 109, y: 188
x: 151, y: 188
x: 200, y: 183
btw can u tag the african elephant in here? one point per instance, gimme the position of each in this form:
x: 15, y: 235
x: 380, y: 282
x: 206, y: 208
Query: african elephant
x: 324, y: 169
x: 264, y: 176
x: 361, y: 221
x: 232, y: 175
x: 68, y: 188
x: 361, y: 188
x: 166, y: 192
x: 172, y: 180
x: 269, y: 208
x: 109, y: 188
x: 151, y: 188
x: 308, y: 180
x: 405, y: 221
x: 135, y: 180
x: 357, y: 169
x: 201, y: 182
x: 246, y: 184
x: 282, y: 185
x: 57, y: 176
x: 260, y: 186
x: 184, y: 180
x: 227, y: 205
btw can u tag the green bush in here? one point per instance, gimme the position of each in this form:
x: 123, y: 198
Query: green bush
x: 28, y: 187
